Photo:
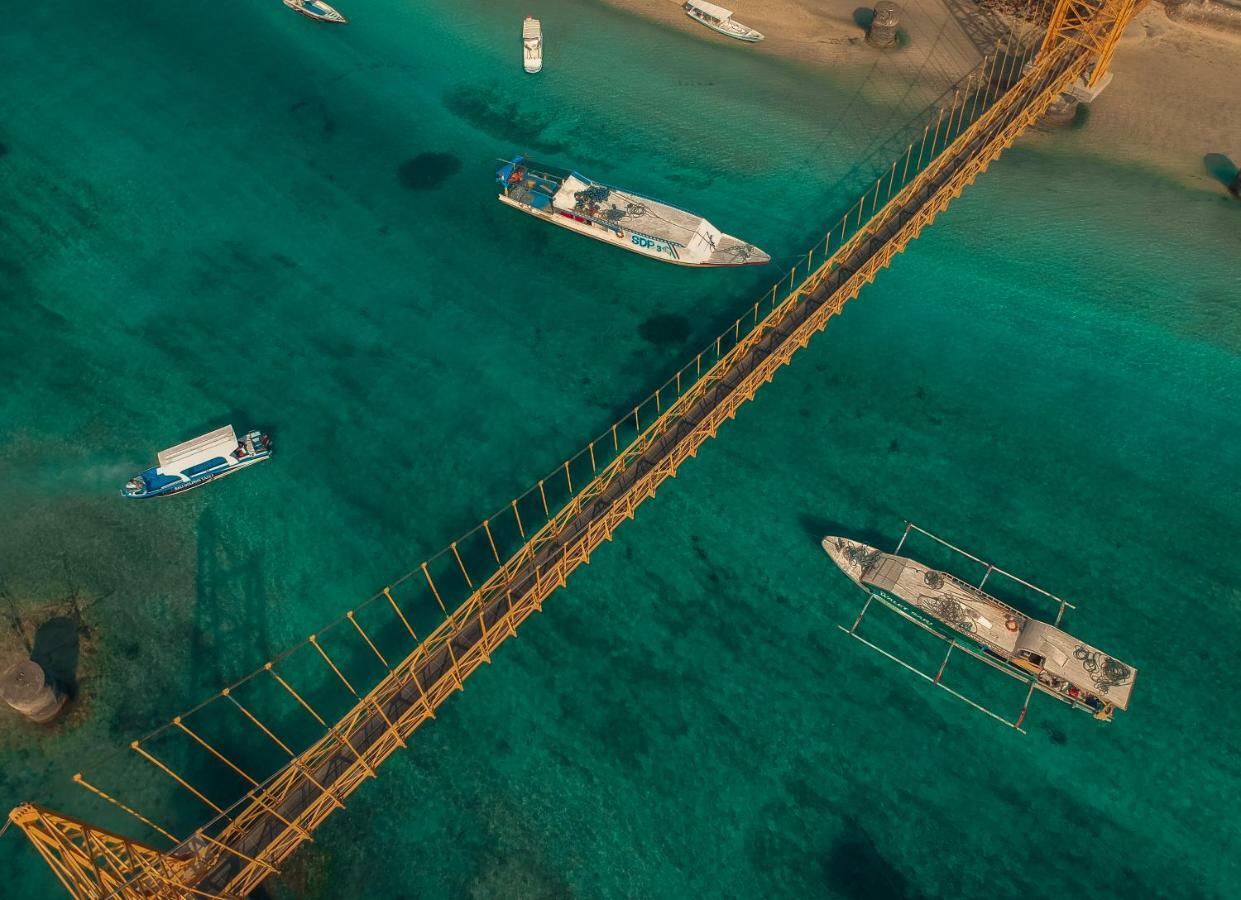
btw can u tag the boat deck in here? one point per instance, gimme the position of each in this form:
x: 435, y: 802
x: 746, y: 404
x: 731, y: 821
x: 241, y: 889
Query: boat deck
x: 951, y: 601
x: 534, y: 190
x: 636, y: 213
x: 1078, y: 663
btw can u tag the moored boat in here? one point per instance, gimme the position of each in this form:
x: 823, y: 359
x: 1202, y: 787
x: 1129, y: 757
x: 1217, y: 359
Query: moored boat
x: 621, y: 218
x: 965, y: 616
x: 198, y: 461
x: 532, y: 45
x: 717, y: 18
x: 317, y: 10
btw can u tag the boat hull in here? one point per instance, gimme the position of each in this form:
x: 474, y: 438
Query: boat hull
x: 532, y: 45
x: 635, y: 242
x: 332, y: 16
x: 963, y: 615
x: 183, y: 486
x: 750, y: 36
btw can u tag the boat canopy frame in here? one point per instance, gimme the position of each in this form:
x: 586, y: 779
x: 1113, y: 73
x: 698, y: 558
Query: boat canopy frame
x: 718, y: 13
x: 953, y: 643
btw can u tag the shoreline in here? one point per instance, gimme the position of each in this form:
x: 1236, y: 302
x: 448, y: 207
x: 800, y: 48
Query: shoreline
x: 1142, y: 117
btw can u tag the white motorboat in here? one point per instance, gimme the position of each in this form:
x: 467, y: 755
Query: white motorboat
x: 717, y: 18
x: 317, y: 10
x: 622, y: 218
x: 532, y: 45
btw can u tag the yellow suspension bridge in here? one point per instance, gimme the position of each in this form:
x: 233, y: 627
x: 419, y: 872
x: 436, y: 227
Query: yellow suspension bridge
x: 576, y: 508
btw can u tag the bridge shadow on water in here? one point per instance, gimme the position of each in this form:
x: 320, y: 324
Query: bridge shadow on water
x: 238, y: 574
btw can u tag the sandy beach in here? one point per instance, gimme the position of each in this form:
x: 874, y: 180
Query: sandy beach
x: 1142, y: 117
x: 1172, y: 99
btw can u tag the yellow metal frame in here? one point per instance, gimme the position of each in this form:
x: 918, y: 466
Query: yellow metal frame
x: 289, y: 806
x: 93, y: 863
x: 1095, y: 25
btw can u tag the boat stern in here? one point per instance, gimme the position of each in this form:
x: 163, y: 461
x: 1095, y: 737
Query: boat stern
x: 852, y: 557
x: 511, y: 172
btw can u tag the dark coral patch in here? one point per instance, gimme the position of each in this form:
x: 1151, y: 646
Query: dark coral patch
x: 492, y: 113
x: 665, y: 329
x: 427, y: 171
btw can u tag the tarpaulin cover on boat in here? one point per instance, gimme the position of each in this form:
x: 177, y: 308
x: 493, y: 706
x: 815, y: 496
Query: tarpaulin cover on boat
x: 220, y: 442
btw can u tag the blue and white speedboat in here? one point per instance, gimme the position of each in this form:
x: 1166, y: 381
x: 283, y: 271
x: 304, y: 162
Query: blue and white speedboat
x: 196, y: 462
x: 620, y: 217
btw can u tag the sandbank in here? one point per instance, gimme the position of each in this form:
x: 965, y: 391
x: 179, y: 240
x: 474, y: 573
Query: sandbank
x: 1169, y: 105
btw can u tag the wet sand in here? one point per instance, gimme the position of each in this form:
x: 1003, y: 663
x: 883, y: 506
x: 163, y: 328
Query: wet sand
x: 1167, y: 105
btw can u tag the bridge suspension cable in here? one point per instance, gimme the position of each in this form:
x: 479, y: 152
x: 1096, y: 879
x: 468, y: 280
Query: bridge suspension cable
x: 340, y: 703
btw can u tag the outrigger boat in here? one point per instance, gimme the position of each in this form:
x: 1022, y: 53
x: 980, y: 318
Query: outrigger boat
x: 717, y: 18
x: 317, y: 10
x: 196, y: 462
x: 968, y: 619
x: 532, y: 45
x: 621, y: 218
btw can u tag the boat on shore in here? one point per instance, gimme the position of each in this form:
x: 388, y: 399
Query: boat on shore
x: 198, y: 461
x: 317, y: 10
x: 621, y: 218
x: 717, y: 18
x: 532, y: 45
x: 968, y: 618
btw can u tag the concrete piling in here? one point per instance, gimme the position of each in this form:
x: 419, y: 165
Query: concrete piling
x: 1062, y: 111
x: 883, y: 25
x: 26, y: 688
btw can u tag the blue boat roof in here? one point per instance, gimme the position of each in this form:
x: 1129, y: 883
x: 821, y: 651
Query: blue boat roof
x: 205, y: 466
x: 506, y: 171
x: 156, y: 480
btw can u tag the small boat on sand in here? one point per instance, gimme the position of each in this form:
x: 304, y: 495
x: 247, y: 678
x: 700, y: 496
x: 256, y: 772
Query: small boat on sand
x: 317, y: 10
x: 717, y: 18
x: 621, y: 217
x: 194, y: 463
x: 532, y: 45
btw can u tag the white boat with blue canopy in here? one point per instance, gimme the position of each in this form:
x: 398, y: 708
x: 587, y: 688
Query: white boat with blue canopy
x: 198, y: 461
x: 621, y: 217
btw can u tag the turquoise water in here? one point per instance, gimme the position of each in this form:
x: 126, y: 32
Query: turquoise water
x: 212, y: 220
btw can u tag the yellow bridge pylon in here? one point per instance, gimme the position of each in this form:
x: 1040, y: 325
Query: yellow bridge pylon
x: 251, y: 838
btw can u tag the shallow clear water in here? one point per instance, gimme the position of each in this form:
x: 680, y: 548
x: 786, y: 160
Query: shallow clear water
x: 213, y: 219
